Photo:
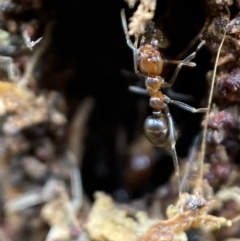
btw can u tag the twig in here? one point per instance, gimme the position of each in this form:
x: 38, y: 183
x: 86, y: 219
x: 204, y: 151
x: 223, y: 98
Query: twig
x: 203, y: 146
x: 78, y: 128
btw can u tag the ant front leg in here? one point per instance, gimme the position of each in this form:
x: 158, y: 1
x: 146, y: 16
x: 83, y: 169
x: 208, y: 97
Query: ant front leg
x: 185, y: 62
x: 184, y: 106
x: 177, y: 62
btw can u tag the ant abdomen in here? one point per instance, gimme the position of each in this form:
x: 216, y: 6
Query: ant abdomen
x: 156, y: 129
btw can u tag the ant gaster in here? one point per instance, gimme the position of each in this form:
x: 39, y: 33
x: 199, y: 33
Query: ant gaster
x: 148, y: 65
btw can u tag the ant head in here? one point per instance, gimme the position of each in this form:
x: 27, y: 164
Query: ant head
x: 154, y: 36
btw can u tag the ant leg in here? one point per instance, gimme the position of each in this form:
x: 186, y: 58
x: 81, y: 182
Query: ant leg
x: 179, y: 96
x: 183, y: 62
x: 172, y: 140
x: 139, y: 74
x: 128, y: 40
x: 173, y: 61
x: 131, y: 75
x: 192, y: 56
x: 184, y: 106
x: 137, y: 90
x: 142, y: 91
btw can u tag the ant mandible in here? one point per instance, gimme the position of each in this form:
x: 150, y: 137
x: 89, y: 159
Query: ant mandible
x: 148, y: 64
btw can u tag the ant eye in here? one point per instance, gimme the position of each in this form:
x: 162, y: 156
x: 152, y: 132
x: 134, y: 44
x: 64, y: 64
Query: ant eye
x: 155, y: 59
x: 154, y: 42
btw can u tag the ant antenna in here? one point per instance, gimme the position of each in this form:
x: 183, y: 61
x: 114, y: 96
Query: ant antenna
x: 125, y: 29
x: 124, y: 23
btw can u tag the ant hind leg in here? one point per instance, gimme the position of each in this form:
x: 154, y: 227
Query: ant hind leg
x: 172, y: 142
x: 184, y: 106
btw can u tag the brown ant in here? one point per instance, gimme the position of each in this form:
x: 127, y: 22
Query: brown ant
x: 148, y: 65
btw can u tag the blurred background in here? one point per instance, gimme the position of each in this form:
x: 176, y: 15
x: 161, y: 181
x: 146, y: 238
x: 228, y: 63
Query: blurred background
x: 85, y: 55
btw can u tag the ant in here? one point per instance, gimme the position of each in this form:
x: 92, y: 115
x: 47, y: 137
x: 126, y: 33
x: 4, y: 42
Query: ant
x: 148, y: 65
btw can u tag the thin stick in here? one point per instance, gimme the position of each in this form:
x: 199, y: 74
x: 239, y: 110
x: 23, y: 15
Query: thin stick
x: 203, y: 146
x: 236, y: 219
